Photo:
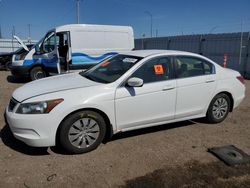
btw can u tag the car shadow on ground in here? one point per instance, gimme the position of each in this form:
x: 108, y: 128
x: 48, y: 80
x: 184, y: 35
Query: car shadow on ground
x: 17, y: 80
x: 138, y: 132
x: 10, y: 141
x: 153, y: 129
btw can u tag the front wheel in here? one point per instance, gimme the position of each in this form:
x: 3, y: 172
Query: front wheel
x: 218, y: 108
x: 37, y: 73
x: 82, y: 132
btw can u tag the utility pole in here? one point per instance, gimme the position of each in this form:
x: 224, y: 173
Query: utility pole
x: 142, y: 41
x: 241, y: 37
x: 78, y: 11
x: 151, y: 22
x: 1, y: 32
x: 13, y: 33
x: 29, y: 38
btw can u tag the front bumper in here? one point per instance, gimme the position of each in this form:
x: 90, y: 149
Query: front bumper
x: 20, y: 71
x: 38, y: 130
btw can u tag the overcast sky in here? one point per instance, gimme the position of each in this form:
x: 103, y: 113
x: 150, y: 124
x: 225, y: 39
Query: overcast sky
x: 173, y: 17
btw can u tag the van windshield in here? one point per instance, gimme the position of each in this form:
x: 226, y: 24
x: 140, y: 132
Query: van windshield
x: 110, y: 70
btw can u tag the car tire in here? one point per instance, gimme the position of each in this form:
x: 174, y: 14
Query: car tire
x: 37, y: 73
x: 82, y: 132
x: 218, y: 108
x: 8, y: 66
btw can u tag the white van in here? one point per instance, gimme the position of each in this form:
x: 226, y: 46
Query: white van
x: 73, y: 47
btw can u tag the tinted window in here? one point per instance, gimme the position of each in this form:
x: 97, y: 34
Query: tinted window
x: 157, y: 69
x: 189, y: 67
x: 208, y: 68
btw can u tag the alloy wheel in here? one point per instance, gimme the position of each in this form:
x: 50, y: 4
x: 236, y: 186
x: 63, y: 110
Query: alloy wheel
x: 220, y: 108
x: 84, y: 132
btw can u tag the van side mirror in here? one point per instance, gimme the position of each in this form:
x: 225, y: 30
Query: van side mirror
x: 135, y: 82
x: 37, y: 49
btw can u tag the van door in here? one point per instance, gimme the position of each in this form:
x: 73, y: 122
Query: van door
x: 47, y: 54
x: 69, y: 56
x: 64, y: 50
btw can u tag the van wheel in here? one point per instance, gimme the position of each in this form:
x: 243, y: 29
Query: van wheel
x: 82, y: 132
x: 218, y: 108
x: 37, y: 73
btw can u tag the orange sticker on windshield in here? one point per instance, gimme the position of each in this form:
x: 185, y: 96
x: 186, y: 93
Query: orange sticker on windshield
x: 104, y: 64
x: 158, y: 69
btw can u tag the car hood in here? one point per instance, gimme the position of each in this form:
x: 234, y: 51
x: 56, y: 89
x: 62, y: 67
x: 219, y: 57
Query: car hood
x: 52, y: 84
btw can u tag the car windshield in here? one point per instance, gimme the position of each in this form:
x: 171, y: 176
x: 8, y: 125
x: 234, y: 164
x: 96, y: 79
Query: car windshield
x: 110, y: 70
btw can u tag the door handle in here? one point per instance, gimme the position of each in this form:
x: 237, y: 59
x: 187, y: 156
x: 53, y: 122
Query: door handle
x: 168, y: 87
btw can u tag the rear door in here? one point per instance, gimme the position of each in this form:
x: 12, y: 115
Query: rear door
x: 196, y: 82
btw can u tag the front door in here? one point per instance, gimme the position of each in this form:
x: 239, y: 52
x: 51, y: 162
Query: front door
x: 48, y: 54
x: 153, y: 102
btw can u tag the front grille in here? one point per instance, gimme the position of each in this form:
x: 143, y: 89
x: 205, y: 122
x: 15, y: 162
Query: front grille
x: 12, y: 104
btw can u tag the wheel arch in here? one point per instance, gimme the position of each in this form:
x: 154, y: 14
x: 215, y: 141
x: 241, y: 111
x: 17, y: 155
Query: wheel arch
x: 229, y: 94
x: 36, y: 65
x: 109, y: 128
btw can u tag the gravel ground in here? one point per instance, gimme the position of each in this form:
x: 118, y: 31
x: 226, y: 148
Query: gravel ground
x: 173, y: 155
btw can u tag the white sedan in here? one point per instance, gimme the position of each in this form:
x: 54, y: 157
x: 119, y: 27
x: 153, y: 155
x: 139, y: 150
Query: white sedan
x: 129, y: 91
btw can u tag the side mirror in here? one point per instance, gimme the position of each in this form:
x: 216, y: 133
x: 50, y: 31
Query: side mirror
x: 135, y: 82
x: 37, y: 49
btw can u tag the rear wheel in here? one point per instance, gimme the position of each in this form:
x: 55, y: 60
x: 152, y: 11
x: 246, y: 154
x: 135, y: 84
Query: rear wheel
x: 37, y: 73
x: 218, y: 108
x: 82, y: 132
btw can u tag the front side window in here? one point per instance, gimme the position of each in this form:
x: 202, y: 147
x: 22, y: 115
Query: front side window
x: 112, y: 69
x: 190, y: 67
x: 154, y: 70
x: 50, y: 42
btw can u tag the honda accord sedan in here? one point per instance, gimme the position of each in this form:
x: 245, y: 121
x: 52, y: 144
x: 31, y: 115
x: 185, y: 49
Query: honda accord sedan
x: 129, y: 91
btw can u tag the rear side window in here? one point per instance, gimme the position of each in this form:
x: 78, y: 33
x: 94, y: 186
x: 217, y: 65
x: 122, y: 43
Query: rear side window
x: 190, y: 67
x: 154, y: 70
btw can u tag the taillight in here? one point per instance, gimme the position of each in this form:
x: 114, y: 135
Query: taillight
x: 241, y: 79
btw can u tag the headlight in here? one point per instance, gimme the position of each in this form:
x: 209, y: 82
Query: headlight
x: 42, y: 107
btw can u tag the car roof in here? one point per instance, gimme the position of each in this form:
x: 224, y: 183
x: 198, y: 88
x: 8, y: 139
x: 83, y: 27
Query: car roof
x: 145, y: 53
